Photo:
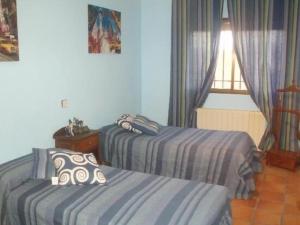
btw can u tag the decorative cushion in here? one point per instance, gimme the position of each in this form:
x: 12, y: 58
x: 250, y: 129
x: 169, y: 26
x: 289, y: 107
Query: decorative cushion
x: 127, y: 117
x: 125, y: 121
x: 145, y: 125
x: 43, y: 167
x: 77, y: 168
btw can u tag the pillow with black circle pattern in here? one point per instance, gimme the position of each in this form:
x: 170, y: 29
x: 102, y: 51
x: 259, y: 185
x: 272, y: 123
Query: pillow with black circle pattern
x: 77, y: 168
x: 125, y: 121
x: 43, y: 167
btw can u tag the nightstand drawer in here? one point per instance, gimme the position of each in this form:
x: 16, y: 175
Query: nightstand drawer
x: 65, y: 144
x: 89, y: 143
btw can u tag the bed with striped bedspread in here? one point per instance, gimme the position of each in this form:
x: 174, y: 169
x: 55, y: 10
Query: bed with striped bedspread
x: 226, y: 158
x: 131, y: 198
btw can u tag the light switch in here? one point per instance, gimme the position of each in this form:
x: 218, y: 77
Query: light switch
x: 64, y: 103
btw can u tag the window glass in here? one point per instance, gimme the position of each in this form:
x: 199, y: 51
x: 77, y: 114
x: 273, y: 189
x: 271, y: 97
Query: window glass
x: 228, y: 76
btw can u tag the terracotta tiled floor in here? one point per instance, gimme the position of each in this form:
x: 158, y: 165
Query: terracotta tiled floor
x: 276, y: 201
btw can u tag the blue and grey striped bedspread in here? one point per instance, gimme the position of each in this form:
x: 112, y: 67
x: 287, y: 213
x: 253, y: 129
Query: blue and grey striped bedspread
x: 219, y: 157
x: 129, y: 198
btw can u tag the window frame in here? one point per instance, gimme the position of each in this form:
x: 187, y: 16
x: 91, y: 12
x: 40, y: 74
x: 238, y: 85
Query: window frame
x: 226, y: 26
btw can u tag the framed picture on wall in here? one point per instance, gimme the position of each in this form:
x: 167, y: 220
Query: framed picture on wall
x: 104, y: 27
x: 9, y: 45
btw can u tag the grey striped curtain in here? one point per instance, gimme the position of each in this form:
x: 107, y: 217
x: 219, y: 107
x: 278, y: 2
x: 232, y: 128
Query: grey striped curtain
x: 267, y: 46
x: 196, y: 26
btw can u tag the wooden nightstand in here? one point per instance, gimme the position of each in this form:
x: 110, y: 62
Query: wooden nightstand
x: 283, y: 159
x: 85, y: 143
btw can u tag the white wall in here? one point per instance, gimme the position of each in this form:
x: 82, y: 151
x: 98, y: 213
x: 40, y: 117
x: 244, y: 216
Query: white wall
x: 156, y: 53
x: 55, y: 64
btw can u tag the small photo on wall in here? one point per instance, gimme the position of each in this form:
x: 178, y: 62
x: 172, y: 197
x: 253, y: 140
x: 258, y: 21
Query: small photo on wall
x: 9, y: 47
x: 104, y: 30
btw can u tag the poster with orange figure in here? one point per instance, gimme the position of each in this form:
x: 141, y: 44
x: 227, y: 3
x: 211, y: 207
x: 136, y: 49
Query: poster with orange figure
x: 104, y: 27
x: 9, y: 50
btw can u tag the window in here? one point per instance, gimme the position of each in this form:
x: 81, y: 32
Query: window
x: 228, y: 77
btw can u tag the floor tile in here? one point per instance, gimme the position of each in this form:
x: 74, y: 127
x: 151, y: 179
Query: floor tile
x: 291, y: 188
x: 291, y: 220
x: 271, y: 196
x: 276, y: 200
x: 241, y: 222
x: 291, y: 209
x: 275, y: 171
x: 272, y: 207
x: 244, y: 203
x: 267, y: 218
x: 293, y: 199
x: 242, y: 213
x: 276, y: 178
x: 267, y: 185
x: 259, y: 177
x: 294, y: 180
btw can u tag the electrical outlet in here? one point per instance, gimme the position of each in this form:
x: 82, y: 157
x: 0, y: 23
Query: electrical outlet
x: 64, y: 103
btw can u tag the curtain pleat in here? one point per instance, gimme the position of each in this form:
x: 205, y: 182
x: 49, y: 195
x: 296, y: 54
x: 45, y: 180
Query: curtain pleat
x: 266, y: 41
x: 196, y: 26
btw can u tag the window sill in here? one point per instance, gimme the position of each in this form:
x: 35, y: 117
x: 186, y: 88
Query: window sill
x: 227, y: 91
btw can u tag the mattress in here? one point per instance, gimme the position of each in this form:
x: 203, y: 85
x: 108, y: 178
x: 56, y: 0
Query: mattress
x: 226, y: 158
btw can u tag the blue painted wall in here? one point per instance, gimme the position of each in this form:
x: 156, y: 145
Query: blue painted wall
x: 55, y: 64
x: 156, y: 52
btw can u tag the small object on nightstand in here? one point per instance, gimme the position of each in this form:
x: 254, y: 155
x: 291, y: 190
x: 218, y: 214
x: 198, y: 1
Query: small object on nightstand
x: 76, y: 127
